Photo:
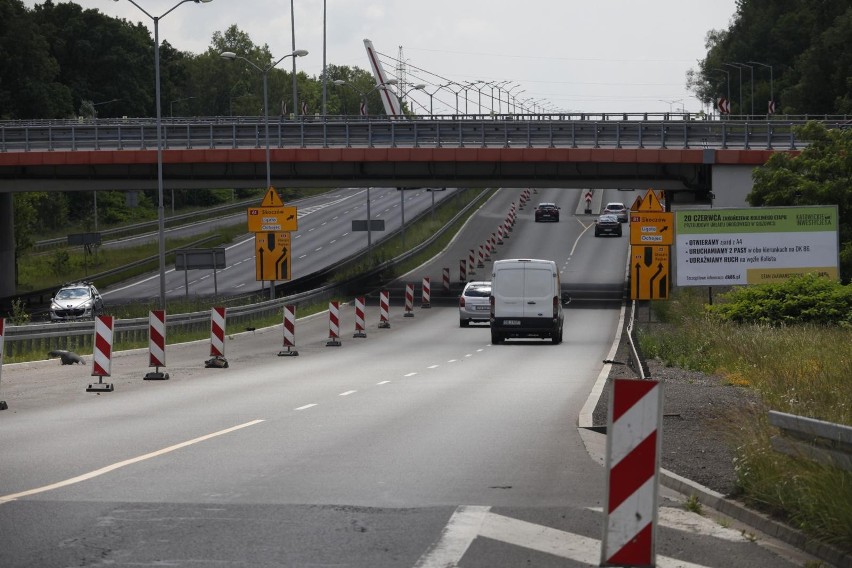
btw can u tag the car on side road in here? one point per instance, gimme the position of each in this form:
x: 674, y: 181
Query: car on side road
x: 617, y: 209
x: 474, y: 304
x: 607, y: 224
x: 76, y: 301
x: 547, y: 212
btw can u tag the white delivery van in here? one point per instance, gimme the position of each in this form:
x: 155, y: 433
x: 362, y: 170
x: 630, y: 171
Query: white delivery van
x: 526, y: 300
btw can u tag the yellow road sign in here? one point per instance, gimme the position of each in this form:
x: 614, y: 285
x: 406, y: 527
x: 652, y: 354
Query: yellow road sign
x: 272, y: 219
x: 271, y: 199
x: 649, y: 273
x: 272, y: 256
x: 651, y: 228
x: 650, y: 202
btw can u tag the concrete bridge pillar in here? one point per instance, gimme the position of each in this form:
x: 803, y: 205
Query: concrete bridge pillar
x: 7, y: 246
x: 731, y: 185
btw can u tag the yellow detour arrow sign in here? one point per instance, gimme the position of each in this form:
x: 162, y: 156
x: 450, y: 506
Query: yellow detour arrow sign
x: 272, y: 215
x: 272, y: 256
x: 649, y: 273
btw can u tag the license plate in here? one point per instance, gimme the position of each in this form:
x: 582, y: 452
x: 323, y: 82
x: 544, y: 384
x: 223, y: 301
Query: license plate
x: 482, y: 308
x: 511, y: 322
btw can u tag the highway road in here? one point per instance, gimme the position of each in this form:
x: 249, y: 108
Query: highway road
x: 323, y: 239
x: 419, y: 446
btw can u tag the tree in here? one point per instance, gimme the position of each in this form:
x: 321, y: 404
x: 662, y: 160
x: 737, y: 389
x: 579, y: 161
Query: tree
x: 820, y: 175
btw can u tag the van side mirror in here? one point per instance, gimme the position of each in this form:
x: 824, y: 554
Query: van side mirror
x: 566, y: 298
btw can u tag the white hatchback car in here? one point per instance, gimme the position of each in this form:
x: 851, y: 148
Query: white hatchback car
x: 617, y: 209
x: 474, y: 303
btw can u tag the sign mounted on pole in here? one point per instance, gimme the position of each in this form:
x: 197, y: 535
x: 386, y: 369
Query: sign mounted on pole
x: 649, y: 273
x: 272, y: 215
x: 272, y: 256
x: 651, y: 228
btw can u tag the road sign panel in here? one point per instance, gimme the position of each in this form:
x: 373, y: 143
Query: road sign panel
x: 272, y: 219
x: 650, y: 202
x: 651, y: 228
x: 271, y: 199
x: 272, y: 256
x: 649, y: 273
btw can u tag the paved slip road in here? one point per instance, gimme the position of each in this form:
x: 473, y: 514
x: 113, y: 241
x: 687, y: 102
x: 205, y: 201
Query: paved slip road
x: 418, y: 446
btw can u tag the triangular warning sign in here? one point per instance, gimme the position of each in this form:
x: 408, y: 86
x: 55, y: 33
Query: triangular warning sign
x: 271, y: 199
x: 650, y: 202
x: 637, y: 204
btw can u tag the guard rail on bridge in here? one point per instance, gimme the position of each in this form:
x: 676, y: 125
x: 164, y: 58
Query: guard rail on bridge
x: 539, y: 131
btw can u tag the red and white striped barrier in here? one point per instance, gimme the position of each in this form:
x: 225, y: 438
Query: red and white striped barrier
x: 333, y: 324
x: 445, y: 281
x: 359, y: 318
x: 217, y: 332
x: 499, y: 234
x: 462, y: 271
x: 471, y: 262
x: 481, y: 263
x: 426, y: 293
x: 3, y: 405
x: 494, y: 243
x: 156, y: 344
x: 487, y: 247
x: 409, y: 301
x: 102, y: 354
x: 633, y: 443
x: 289, y: 331
x: 384, y: 309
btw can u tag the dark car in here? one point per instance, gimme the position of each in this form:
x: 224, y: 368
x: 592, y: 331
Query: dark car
x: 75, y: 301
x: 617, y: 209
x: 474, y: 303
x: 607, y: 224
x: 547, y: 212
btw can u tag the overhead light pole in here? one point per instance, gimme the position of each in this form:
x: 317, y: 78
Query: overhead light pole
x: 728, y: 75
x: 265, y: 72
x: 509, y: 96
x: 738, y: 66
x: 751, y: 83
x: 161, y: 216
x: 771, y: 86
x: 172, y: 104
x: 417, y: 87
x: 364, y: 95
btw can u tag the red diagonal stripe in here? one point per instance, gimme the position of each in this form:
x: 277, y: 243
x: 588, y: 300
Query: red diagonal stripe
x: 627, y: 393
x: 632, y: 472
x: 637, y: 552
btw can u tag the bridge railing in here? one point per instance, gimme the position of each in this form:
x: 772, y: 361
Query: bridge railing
x: 431, y: 132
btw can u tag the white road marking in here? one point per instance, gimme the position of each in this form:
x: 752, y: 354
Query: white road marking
x: 317, y: 250
x: 332, y: 242
x: 451, y: 361
x: 432, y: 366
x: 682, y: 520
x: 409, y: 375
x: 311, y: 229
x: 347, y: 393
x: 125, y: 463
x: 382, y: 382
x: 239, y: 285
x: 469, y: 355
x: 306, y: 406
x: 344, y: 234
x: 303, y: 256
x: 455, y: 539
x: 297, y: 236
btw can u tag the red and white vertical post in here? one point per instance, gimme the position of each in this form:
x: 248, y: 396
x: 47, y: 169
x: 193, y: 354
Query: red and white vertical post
x: 471, y: 262
x: 384, y: 309
x: 289, y: 331
x: 445, y: 280
x: 481, y: 263
x: 462, y: 271
x: 157, y: 344
x: 333, y: 324
x: 633, y: 444
x: 409, y: 301
x: 217, y: 332
x: 102, y: 354
x: 359, y: 317
x: 426, y: 293
x: 3, y: 405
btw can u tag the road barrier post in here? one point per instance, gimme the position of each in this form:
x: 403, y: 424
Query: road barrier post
x: 157, y: 344
x: 426, y: 293
x: 462, y: 271
x: 217, y: 338
x: 384, y: 308
x: 633, y: 443
x: 102, y: 354
x: 445, y: 280
x: 359, y: 318
x: 333, y: 324
x: 289, y: 331
x: 409, y: 301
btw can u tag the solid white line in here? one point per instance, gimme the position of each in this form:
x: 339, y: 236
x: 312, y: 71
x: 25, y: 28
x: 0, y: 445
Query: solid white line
x: 347, y: 393
x: 306, y: 406
x: 461, y: 530
x: 118, y: 465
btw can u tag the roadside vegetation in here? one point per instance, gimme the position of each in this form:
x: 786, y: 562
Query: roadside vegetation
x: 751, y: 337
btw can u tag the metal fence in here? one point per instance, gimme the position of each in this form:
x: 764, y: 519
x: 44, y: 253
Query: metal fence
x: 821, y: 441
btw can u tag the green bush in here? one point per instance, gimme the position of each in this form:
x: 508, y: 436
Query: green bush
x: 802, y: 299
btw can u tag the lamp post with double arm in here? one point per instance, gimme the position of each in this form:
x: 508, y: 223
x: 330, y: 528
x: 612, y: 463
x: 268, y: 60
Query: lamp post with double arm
x: 770, y: 107
x: 161, y: 216
x: 265, y: 72
x: 364, y: 94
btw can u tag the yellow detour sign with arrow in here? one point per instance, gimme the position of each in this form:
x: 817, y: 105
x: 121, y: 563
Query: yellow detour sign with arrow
x: 272, y: 256
x: 649, y: 273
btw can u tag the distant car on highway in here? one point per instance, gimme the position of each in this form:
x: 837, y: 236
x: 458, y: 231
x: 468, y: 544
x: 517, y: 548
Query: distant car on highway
x: 474, y: 305
x: 76, y: 301
x: 607, y: 224
x: 547, y: 212
x: 617, y: 209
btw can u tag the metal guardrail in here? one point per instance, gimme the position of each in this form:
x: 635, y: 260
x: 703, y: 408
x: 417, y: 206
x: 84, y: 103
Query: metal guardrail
x: 77, y: 335
x: 522, y: 131
x: 821, y: 441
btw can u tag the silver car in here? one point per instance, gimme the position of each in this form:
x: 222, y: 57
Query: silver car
x: 78, y: 300
x: 474, y: 303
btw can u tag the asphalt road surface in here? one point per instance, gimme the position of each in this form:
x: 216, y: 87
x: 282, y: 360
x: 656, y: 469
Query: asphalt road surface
x: 420, y: 445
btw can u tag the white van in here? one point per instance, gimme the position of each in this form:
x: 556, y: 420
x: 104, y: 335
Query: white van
x: 526, y: 300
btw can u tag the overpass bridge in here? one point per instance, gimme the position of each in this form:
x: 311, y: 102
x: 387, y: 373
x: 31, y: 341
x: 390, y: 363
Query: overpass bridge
x: 666, y: 152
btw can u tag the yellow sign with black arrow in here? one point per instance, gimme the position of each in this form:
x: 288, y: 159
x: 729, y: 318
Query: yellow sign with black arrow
x: 272, y: 256
x: 649, y: 273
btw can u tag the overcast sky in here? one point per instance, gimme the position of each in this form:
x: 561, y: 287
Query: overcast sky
x: 578, y: 56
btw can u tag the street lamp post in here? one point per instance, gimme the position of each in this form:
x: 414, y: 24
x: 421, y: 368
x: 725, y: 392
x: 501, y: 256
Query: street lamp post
x: 417, y: 87
x: 265, y: 72
x: 161, y: 217
x: 751, y: 83
x: 728, y: 74
x: 671, y: 103
x: 771, y: 86
x: 515, y: 100
x: 172, y: 104
x: 738, y: 66
x: 510, y: 96
x: 500, y: 95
